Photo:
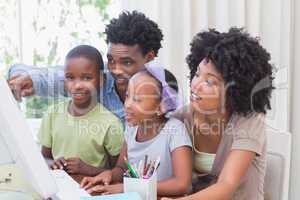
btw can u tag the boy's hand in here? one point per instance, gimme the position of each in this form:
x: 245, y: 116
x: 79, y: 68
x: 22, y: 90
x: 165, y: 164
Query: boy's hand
x: 76, y: 166
x: 60, y: 163
x: 106, y: 189
x: 104, y: 178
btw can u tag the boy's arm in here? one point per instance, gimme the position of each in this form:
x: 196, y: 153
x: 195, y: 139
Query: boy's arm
x: 45, y: 138
x: 118, y: 170
x: 112, y: 160
x: 47, y: 154
x: 180, y: 183
x: 114, y: 139
x: 53, y: 164
x: 93, y: 185
x: 77, y: 166
x: 44, y: 81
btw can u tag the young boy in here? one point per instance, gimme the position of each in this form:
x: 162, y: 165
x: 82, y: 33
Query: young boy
x: 81, y: 136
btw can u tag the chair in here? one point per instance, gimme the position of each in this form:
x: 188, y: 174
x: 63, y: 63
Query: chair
x: 278, y: 165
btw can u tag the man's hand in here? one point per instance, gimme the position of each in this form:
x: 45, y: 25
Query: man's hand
x: 21, y: 86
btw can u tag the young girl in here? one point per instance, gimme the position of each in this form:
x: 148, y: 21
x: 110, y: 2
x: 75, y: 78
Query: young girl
x: 80, y: 135
x: 151, y: 95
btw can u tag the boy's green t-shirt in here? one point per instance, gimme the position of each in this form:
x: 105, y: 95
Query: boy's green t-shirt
x: 91, y: 137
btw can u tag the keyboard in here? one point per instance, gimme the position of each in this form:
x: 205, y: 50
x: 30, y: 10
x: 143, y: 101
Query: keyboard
x: 68, y: 188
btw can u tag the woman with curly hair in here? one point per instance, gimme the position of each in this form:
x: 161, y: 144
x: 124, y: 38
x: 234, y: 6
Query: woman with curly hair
x: 231, y: 85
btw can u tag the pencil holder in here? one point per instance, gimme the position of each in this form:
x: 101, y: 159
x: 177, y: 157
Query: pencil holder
x: 147, y: 188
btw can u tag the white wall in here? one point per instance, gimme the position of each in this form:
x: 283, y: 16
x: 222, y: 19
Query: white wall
x: 295, y: 106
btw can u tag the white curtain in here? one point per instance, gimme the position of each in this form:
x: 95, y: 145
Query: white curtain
x: 267, y: 19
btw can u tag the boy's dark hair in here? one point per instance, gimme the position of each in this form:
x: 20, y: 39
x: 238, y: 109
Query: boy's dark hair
x: 244, y: 65
x: 132, y: 28
x: 89, y: 52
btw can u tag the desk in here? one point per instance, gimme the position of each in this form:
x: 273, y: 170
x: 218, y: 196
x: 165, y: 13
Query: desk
x: 19, y: 182
x: 78, y: 178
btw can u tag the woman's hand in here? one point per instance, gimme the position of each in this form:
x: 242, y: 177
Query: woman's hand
x: 104, y: 178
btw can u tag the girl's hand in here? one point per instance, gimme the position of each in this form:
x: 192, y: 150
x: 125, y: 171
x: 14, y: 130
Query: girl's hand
x: 106, y: 189
x: 104, y: 178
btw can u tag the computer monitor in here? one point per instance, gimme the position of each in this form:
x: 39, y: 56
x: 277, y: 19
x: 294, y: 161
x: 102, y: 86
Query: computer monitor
x: 17, y: 145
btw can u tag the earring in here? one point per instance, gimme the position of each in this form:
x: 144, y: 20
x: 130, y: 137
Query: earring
x: 158, y: 113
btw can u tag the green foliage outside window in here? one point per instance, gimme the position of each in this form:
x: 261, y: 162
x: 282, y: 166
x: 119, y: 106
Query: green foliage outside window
x: 64, y: 29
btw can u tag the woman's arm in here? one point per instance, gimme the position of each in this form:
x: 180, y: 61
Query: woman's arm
x: 231, y: 175
x: 180, y: 183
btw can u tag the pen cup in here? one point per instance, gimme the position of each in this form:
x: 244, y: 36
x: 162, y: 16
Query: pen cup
x: 147, y: 188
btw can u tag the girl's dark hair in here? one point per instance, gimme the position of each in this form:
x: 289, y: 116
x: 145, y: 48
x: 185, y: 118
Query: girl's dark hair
x: 171, y: 80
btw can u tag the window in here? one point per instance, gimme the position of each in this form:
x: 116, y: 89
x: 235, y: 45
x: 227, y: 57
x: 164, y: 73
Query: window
x: 41, y: 33
x: 9, y: 40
